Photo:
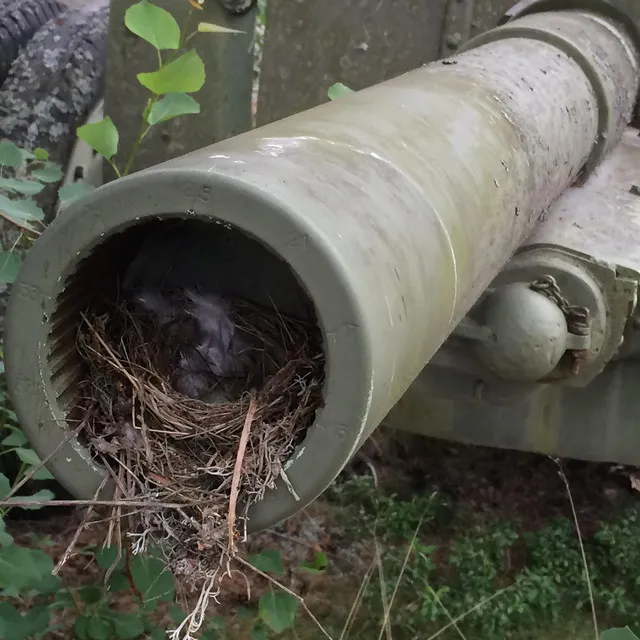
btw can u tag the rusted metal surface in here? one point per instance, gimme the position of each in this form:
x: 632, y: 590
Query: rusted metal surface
x: 465, y: 19
x: 610, y: 63
x: 601, y: 218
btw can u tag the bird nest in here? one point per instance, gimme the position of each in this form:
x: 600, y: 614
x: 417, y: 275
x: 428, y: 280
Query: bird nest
x: 194, y: 403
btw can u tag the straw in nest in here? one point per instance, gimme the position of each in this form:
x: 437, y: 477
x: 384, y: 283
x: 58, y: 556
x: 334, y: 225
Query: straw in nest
x: 207, y: 435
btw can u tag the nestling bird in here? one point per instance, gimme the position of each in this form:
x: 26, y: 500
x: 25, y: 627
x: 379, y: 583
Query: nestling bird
x: 200, y: 331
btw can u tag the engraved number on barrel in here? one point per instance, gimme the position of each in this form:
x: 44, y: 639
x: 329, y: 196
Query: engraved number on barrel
x: 197, y: 191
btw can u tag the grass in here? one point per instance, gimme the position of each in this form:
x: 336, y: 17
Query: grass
x: 455, y: 564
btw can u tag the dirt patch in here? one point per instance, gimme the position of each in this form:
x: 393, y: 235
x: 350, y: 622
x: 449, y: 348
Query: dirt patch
x: 493, y: 485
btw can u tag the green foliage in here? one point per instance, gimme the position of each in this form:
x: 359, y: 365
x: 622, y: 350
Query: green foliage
x: 209, y: 27
x: 50, y: 173
x: 22, y: 213
x: 171, y: 106
x: 10, y: 155
x: 101, y: 136
x: 40, y: 154
x: 152, y: 579
x: 338, y: 90
x: 619, y: 634
x: 539, y: 576
x: 10, y: 264
x: 184, y: 75
x: 269, y: 561
x: 388, y: 516
x: 23, y: 187
x: 22, y: 568
x: 317, y: 565
x: 5, y: 486
x: 73, y: 191
x: 153, y: 24
x: 278, y: 610
x: 260, y: 631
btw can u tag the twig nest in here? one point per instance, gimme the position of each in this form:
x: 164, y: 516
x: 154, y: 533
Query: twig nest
x: 194, y: 403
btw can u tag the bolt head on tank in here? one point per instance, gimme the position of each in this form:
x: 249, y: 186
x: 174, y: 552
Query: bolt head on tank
x: 528, y: 333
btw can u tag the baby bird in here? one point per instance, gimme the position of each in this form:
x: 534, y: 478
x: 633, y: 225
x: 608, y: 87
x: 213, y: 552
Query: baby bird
x: 209, y: 350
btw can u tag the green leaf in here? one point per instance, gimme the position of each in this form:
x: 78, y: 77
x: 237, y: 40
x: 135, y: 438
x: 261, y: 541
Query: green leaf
x: 44, y: 495
x: 269, y: 561
x: 184, y: 75
x: 157, y: 634
x: 63, y: 600
x: 99, y: 628
x: 259, y: 631
x: 16, y: 438
x: 24, y: 568
x: 317, y: 565
x: 20, y: 212
x: 152, y: 579
x: 5, y: 486
x: 42, y: 473
x: 171, y: 106
x: 90, y: 594
x: 277, y: 610
x: 5, y: 538
x: 118, y: 582
x: 101, y: 137
x: 128, y: 626
x: 176, y: 614
x: 37, y: 619
x: 28, y: 456
x: 10, y: 155
x: 73, y: 191
x: 48, y: 174
x: 10, y: 264
x: 244, y: 613
x: 24, y: 187
x: 209, y: 27
x: 338, y: 90
x: 153, y: 24
x: 107, y: 556
x: 619, y: 634
x: 12, y: 626
x: 81, y: 626
x: 40, y: 154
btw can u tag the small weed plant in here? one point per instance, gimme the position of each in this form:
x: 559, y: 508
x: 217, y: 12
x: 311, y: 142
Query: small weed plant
x: 492, y: 580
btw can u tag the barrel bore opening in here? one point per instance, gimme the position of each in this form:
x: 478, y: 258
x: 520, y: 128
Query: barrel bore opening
x: 154, y: 307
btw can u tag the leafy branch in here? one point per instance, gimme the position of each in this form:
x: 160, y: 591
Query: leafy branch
x: 179, y: 74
